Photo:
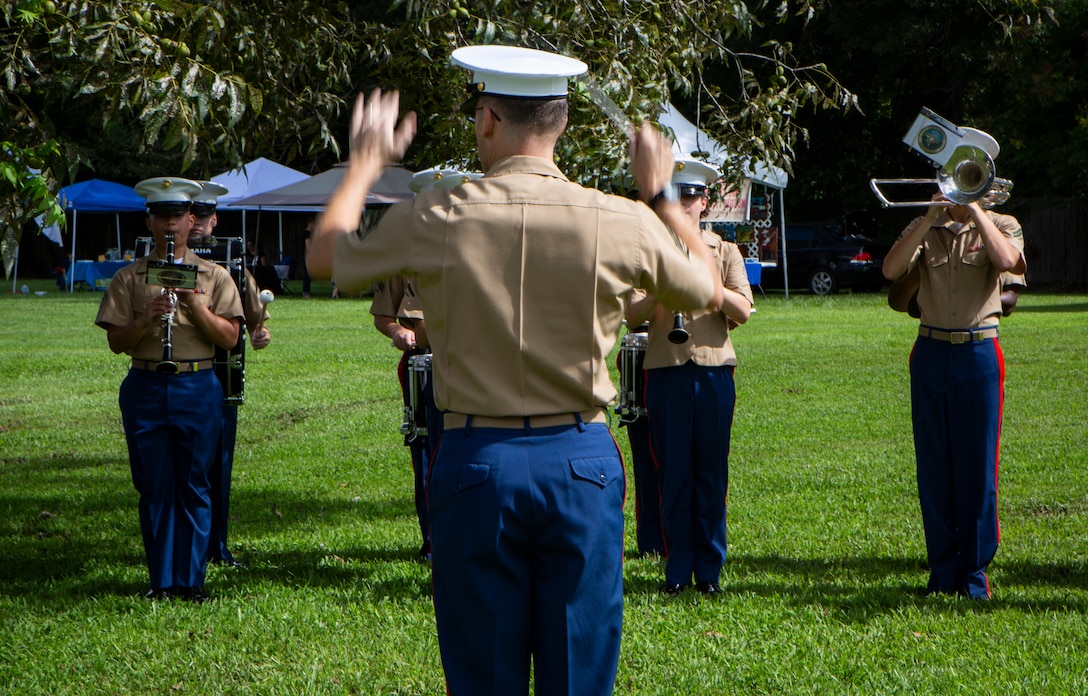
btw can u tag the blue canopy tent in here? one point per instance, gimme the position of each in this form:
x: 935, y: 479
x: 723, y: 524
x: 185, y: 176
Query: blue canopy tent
x: 97, y: 196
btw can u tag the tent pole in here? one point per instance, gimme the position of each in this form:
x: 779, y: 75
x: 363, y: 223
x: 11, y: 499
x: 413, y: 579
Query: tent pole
x: 280, y: 213
x: 72, y: 264
x: 782, y: 242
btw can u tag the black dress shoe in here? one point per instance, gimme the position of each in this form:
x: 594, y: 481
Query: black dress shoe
x: 196, y: 595
x: 164, y: 593
x: 673, y: 588
x: 709, y: 588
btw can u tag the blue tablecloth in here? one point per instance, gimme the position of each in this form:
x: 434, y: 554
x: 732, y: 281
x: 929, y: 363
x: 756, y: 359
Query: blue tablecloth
x: 96, y: 274
x: 755, y: 273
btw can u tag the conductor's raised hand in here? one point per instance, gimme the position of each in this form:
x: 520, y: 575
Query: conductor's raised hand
x: 377, y: 131
x: 651, y: 160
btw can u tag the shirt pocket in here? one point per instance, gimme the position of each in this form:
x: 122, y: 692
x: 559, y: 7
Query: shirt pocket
x: 976, y: 257
x: 934, y: 254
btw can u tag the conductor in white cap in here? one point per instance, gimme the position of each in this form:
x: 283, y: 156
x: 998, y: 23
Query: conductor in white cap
x: 522, y: 276
x: 171, y: 401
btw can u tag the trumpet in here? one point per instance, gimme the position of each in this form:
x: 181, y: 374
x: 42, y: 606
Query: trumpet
x: 678, y: 334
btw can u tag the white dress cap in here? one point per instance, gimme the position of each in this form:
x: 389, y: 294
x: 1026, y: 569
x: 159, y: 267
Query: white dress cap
x: 210, y: 192
x: 511, y: 71
x: 691, y: 172
x: 168, y: 189
x: 456, y: 179
x: 427, y: 179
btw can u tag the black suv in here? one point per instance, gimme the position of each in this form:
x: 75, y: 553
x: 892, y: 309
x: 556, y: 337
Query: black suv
x: 824, y: 258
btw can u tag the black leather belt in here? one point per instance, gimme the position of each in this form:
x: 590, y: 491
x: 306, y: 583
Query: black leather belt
x: 959, y: 335
x: 183, y: 365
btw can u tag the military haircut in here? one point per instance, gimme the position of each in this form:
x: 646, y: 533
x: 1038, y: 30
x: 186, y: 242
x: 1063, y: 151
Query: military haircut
x: 538, y: 116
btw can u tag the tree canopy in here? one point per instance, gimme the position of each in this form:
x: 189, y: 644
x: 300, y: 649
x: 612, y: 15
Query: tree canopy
x: 126, y: 90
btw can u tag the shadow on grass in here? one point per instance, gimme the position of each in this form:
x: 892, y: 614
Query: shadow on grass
x: 859, y: 588
x: 70, y: 531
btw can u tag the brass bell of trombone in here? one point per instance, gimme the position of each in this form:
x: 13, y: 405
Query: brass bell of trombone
x: 964, y: 158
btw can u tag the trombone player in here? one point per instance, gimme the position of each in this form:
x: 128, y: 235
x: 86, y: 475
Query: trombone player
x: 957, y: 376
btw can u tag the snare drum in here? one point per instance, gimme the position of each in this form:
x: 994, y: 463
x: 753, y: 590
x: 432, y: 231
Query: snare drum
x: 632, y: 402
x: 415, y: 413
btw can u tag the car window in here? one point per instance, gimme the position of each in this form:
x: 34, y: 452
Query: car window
x: 800, y: 237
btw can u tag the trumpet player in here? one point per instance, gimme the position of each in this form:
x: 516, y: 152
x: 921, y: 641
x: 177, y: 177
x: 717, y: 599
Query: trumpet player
x: 957, y: 377
x: 171, y: 400
x: 690, y: 396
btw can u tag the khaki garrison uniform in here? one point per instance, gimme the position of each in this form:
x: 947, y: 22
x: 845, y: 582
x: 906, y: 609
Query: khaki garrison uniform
x: 172, y: 422
x: 523, y: 277
x: 957, y: 374
x: 690, y: 399
x: 511, y: 340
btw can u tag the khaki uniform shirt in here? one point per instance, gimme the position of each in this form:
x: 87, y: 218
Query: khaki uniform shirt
x: 256, y: 312
x: 397, y: 297
x: 129, y: 292
x: 709, y: 344
x: 522, y: 275
x: 959, y: 286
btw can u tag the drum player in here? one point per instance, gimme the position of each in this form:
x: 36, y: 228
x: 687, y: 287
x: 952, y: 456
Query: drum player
x: 521, y: 274
x: 171, y: 401
x: 205, y: 220
x: 690, y: 396
x: 398, y: 315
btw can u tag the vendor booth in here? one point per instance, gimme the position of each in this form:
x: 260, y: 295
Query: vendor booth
x: 97, y: 196
x: 752, y: 215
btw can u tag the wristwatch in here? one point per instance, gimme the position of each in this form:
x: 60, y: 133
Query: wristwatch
x: 666, y: 194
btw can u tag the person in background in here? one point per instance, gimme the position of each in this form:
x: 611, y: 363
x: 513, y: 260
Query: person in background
x: 306, y: 251
x: 205, y: 220
x: 171, y: 401
x: 957, y: 378
x: 522, y: 275
x: 398, y: 315
x: 690, y: 396
x: 649, y: 537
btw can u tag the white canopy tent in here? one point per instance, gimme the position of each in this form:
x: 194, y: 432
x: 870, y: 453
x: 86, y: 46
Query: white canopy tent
x: 690, y: 141
x: 314, y: 192
x: 254, y: 178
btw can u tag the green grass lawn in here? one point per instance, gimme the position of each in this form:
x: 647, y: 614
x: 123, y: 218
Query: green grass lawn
x: 826, y: 549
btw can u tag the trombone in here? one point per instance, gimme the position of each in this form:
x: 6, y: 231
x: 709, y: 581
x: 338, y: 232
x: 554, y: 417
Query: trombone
x: 967, y: 177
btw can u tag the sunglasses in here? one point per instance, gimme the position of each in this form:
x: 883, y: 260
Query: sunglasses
x: 472, y: 119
